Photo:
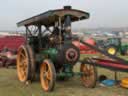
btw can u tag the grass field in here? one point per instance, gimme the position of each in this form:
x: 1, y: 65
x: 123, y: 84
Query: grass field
x: 10, y: 86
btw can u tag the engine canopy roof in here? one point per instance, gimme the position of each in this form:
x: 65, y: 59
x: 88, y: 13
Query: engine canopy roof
x: 49, y: 18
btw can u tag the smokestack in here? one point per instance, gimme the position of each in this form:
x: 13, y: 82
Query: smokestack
x: 67, y: 7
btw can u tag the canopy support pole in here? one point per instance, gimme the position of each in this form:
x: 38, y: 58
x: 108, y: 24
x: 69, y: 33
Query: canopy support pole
x: 26, y: 33
x: 60, y: 34
x: 39, y: 36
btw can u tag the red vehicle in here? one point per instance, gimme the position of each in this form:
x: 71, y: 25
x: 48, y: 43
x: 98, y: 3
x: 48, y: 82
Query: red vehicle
x: 8, y: 49
x: 84, y: 49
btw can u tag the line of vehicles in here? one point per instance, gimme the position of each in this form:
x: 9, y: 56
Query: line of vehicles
x: 10, y: 44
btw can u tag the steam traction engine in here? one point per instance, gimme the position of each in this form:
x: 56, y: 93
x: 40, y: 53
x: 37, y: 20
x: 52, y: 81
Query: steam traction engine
x: 49, y: 48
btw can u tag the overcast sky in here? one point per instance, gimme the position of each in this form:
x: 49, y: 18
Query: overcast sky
x: 103, y: 13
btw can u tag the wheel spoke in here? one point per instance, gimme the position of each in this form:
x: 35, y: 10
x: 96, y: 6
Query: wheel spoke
x: 22, y: 55
x: 22, y: 74
x: 47, y: 83
x: 25, y: 61
x: 91, y: 72
x: 44, y: 67
x: 20, y: 65
x: 48, y: 75
x: 84, y: 68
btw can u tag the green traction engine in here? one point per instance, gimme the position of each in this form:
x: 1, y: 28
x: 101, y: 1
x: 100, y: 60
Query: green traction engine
x: 49, y: 51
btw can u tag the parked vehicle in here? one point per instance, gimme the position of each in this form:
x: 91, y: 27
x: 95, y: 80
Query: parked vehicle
x: 51, y: 52
x: 85, y: 49
x: 8, y: 49
x: 113, y: 46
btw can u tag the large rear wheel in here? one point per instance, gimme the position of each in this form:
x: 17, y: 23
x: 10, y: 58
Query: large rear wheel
x: 25, y: 63
x: 47, y: 75
x: 89, y: 75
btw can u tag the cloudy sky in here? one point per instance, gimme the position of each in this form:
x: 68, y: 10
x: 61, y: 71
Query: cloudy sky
x: 103, y: 13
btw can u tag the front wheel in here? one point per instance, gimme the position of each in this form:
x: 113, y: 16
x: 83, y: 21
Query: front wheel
x: 47, y: 75
x: 89, y: 75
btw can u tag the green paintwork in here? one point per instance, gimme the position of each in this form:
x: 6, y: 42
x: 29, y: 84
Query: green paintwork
x: 51, y: 53
x: 68, y: 72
